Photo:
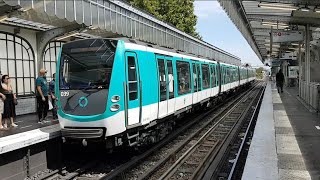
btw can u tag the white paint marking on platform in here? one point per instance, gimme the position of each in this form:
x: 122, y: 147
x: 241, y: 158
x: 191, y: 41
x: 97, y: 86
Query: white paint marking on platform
x: 25, y: 127
x: 318, y: 127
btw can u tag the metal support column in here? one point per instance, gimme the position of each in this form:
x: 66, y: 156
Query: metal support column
x: 307, y: 64
x: 43, y: 38
x: 300, y: 70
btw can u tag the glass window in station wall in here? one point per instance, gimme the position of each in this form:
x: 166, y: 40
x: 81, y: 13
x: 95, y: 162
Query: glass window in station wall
x: 17, y: 61
x: 50, y: 57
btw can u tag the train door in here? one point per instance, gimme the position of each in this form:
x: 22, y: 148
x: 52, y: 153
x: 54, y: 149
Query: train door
x: 223, y: 78
x: 170, y: 84
x: 218, y: 70
x: 196, y: 85
x: 213, y: 79
x: 132, y: 90
x: 228, y: 77
x: 199, y: 82
x: 163, y: 87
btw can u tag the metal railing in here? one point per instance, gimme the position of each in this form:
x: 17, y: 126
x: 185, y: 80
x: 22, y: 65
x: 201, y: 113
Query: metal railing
x: 310, y: 94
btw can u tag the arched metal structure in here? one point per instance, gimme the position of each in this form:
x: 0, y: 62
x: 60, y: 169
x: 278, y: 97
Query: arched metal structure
x: 18, y: 61
x: 50, y: 56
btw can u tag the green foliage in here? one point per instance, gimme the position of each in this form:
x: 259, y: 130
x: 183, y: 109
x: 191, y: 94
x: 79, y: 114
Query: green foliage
x: 259, y: 73
x: 179, y: 13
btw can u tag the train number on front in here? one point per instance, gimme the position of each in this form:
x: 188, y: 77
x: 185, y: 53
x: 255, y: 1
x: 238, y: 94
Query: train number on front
x: 64, y: 93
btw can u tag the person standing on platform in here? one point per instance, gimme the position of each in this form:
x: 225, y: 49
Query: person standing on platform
x: 53, y: 97
x: 42, y: 96
x: 2, y: 99
x: 9, y: 111
x: 280, y: 81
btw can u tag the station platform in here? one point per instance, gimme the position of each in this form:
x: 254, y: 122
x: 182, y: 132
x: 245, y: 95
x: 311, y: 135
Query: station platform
x: 285, y: 144
x: 28, y: 132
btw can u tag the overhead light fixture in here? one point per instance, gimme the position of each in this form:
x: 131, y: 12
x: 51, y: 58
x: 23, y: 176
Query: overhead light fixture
x: 275, y: 25
x: 23, y: 10
x: 293, y: 48
x: 273, y: 45
x: 3, y: 18
x: 304, y: 8
x: 64, y: 37
x: 92, y: 27
x: 317, y: 10
x: 278, y: 6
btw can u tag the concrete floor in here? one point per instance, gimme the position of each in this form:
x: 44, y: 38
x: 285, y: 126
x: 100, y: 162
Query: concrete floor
x: 27, y: 123
x: 297, y: 137
x: 286, y: 143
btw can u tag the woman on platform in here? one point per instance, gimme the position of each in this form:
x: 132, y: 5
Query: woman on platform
x: 9, y: 104
x: 2, y: 99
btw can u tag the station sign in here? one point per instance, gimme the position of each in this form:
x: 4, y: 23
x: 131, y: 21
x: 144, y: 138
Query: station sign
x: 287, y: 36
x: 275, y: 63
x: 293, y: 71
x: 291, y: 56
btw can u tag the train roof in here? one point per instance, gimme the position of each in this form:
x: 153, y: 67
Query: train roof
x: 166, y: 51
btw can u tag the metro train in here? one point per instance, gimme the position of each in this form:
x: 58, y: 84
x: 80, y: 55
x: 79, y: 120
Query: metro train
x: 126, y: 92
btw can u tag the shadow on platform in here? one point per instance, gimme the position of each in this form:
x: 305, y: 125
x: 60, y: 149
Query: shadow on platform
x: 297, y: 137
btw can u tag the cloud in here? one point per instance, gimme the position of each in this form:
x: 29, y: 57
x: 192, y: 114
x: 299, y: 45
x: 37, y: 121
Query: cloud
x: 205, y: 9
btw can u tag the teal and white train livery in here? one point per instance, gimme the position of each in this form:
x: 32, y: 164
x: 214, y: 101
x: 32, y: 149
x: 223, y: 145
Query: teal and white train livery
x: 126, y: 92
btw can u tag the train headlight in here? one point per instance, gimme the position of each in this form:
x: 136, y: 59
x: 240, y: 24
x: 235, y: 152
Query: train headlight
x: 115, y: 98
x: 115, y: 107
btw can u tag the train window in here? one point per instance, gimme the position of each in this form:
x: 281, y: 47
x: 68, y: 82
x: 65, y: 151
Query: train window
x: 132, y: 77
x: 213, y: 75
x: 225, y: 75
x: 233, y: 74
x: 205, y: 76
x: 195, y: 78
x: 183, y: 72
x: 199, y: 77
x: 171, y: 79
x: 162, y: 80
x: 241, y: 74
x: 221, y: 75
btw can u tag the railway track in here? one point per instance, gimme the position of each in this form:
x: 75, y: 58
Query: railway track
x: 173, y: 147
x: 205, y: 145
x: 230, y: 165
x: 176, y: 145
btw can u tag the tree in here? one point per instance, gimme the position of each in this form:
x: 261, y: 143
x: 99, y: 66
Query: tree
x: 259, y: 73
x: 179, y: 13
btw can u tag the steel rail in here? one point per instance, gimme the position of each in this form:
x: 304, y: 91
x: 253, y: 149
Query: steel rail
x: 123, y: 168
x: 256, y: 110
x: 229, y: 138
x: 150, y: 172
x: 215, y: 164
x: 212, y: 144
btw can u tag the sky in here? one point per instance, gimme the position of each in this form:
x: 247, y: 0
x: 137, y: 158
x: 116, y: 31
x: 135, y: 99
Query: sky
x: 216, y: 28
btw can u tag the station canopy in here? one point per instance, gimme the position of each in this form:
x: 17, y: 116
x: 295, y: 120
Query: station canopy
x: 259, y: 19
x: 104, y: 18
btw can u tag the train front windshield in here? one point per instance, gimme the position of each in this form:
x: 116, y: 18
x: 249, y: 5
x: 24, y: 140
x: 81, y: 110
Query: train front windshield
x: 85, y: 73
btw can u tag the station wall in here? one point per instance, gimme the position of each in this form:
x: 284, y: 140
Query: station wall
x: 18, y: 59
